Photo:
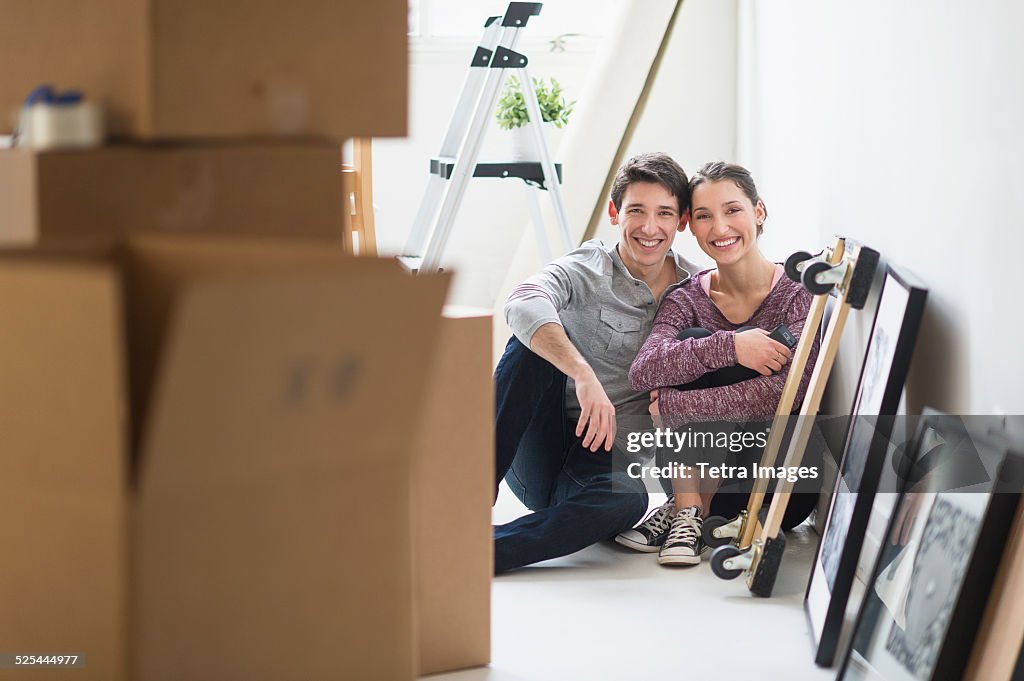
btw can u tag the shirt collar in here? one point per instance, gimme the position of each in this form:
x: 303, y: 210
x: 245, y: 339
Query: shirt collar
x: 682, y: 265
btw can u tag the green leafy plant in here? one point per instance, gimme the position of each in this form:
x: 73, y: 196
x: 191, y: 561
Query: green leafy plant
x: 511, y: 111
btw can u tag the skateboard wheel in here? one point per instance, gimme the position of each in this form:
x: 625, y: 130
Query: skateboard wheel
x: 792, y: 261
x: 763, y: 581
x: 718, y: 558
x: 809, y: 278
x: 711, y: 524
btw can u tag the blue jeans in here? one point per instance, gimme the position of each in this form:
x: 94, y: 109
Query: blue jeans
x: 568, y: 488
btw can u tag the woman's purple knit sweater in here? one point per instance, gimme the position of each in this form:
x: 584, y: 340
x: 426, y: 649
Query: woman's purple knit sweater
x: 665, y: 361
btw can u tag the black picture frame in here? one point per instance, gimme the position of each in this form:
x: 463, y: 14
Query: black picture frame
x: 929, y: 587
x: 879, y: 390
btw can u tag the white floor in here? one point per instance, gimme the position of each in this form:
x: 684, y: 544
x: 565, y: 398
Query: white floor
x: 610, y: 614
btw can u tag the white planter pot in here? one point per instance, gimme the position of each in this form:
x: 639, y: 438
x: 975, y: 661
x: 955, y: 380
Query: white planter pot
x: 516, y: 145
x: 521, y: 146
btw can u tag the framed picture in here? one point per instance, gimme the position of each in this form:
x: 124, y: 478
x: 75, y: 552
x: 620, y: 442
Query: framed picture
x: 830, y: 594
x: 926, y: 595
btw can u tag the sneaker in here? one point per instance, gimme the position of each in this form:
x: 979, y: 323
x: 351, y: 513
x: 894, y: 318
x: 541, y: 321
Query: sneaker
x: 649, y: 535
x: 684, y: 544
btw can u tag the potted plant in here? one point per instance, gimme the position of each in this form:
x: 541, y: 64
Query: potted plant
x: 512, y: 115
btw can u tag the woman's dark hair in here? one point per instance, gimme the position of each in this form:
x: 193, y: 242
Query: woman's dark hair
x: 718, y: 171
x: 656, y: 167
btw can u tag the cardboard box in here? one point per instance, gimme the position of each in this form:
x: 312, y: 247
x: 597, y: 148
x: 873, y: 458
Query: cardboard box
x: 176, y: 69
x: 62, y: 468
x: 454, y: 479
x: 275, y: 448
x: 257, y: 189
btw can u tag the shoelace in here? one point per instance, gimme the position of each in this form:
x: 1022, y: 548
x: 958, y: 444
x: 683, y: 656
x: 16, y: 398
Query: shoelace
x: 685, y: 529
x: 659, y: 519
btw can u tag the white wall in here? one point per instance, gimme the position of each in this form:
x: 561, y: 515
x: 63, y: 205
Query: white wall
x: 898, y: 123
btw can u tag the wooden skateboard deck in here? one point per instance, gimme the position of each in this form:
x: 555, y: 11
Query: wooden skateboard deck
x: 785, y: 408
x: 858, y: 269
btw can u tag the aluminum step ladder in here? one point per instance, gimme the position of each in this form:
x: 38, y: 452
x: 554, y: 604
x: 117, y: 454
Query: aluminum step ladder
x: 456, y: 162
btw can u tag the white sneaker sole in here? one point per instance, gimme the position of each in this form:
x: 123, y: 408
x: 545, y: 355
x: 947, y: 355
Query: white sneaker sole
x: 678, y: 560
x: 635, y: 545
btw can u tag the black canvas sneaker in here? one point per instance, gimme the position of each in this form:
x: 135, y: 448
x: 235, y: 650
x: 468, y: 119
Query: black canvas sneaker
x: 649, y: 535
x: 683, y: 545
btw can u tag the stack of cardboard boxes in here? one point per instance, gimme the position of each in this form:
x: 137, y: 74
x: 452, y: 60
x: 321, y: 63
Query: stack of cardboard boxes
x: 229, y: 451
x: 229, y: 106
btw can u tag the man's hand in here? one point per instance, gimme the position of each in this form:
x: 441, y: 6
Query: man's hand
x: 598, y: 413
x: 597, y: 417
x: 755, y: 350
x: 655, y: 408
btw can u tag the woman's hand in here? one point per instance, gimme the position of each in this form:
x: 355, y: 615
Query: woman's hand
x: 755, y: 350
x: 597, y: 415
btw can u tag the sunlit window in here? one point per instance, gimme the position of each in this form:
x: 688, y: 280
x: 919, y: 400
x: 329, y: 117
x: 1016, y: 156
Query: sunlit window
x: 465, y: 18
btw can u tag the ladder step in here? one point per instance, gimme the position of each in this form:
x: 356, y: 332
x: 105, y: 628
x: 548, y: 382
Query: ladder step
x: 413, y: 263
x: 410, y: 262
x: 530, y: 171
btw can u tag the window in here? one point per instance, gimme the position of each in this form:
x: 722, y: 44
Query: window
x: 465, y: 18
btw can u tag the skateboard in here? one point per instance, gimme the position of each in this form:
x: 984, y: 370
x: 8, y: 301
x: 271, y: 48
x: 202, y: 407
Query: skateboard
x: 741, y: 530
x: 850, y: 280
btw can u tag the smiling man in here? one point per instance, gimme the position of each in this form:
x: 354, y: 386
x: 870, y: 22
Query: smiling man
x: 562, y: 382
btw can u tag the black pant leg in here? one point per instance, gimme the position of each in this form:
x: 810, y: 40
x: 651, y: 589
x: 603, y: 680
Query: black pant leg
x: 529, y: 423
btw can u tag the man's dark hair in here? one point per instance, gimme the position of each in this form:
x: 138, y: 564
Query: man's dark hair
x: 656, y: 167
x: 717, y: 171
